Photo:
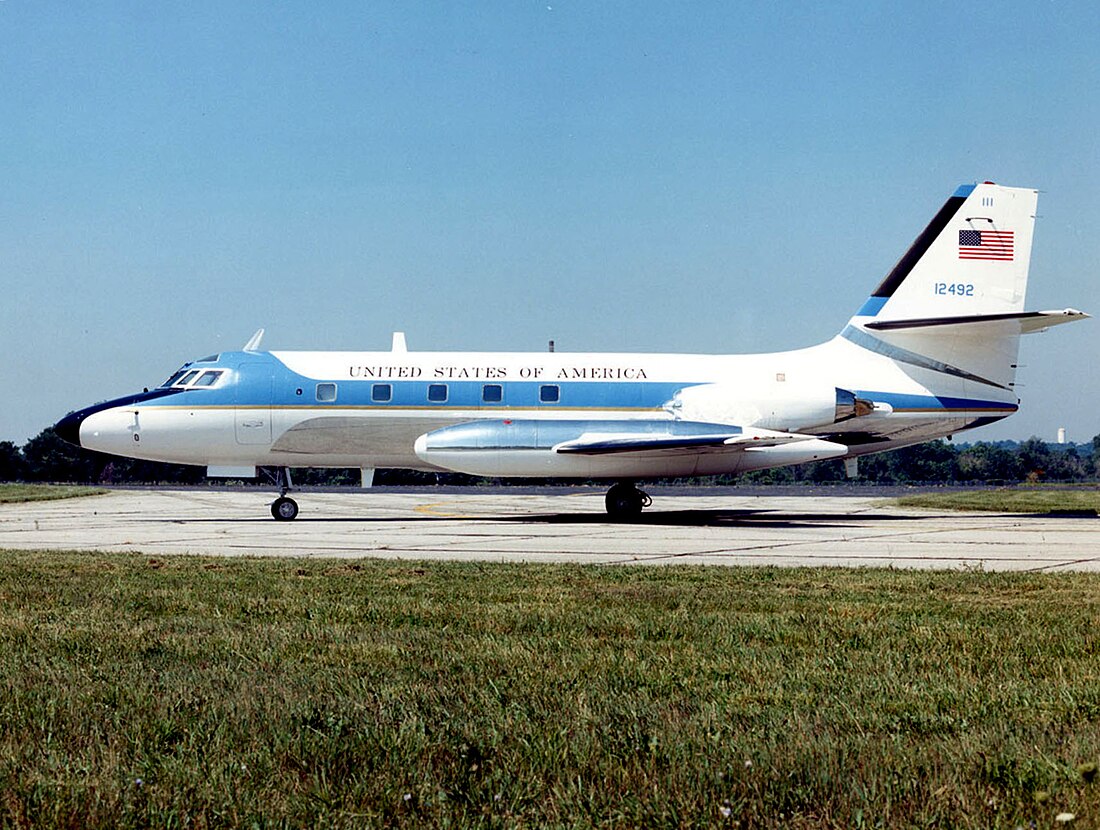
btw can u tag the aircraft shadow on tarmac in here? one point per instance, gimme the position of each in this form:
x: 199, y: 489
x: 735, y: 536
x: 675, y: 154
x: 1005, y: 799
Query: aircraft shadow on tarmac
x: 711, y: 518
x: 688, y: 518
x: 656, y: 518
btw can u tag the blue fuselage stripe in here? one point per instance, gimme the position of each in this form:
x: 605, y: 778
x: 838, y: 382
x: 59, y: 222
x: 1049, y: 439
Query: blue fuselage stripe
x: 267, y: 382
x: 262, y: 380
x: 936, y: 402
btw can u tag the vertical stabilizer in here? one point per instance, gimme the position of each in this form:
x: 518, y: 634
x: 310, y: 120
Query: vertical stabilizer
x: 946, y: 306
x: 972, y: 259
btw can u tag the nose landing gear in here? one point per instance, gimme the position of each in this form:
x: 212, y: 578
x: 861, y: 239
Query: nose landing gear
x: 625, y: 501
x: 283, y: 509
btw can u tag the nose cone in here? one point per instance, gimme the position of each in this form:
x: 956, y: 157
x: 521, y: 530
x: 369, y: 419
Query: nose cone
x: 68, y: 428
x: 110, y: 426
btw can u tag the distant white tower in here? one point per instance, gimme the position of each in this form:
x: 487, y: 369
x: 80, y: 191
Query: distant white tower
x: 1061, y: 435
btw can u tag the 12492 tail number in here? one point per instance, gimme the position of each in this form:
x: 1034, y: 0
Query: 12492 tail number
x: 957, y: 289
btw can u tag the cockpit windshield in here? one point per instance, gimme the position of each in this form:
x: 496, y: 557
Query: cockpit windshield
x: 186, y: 379
x: 194, y: 378
x: 174, y: 377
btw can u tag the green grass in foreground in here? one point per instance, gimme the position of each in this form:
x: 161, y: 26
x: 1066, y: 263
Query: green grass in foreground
x: 44, y: 492
x: 206, y: 693
x: 1009, y: 500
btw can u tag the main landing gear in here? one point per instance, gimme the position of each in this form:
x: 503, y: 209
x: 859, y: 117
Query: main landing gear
x: 283, y: 509
x: 625, y: 501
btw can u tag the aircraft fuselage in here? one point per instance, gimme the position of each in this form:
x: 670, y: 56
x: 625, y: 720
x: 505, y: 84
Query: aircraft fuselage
x: 367, y: 409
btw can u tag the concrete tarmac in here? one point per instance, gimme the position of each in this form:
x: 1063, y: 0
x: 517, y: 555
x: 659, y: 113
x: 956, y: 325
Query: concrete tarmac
x: 563, y: 526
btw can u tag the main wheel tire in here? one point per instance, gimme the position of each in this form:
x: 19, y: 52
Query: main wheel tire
x: 284, y: 509
x: 624, y: 501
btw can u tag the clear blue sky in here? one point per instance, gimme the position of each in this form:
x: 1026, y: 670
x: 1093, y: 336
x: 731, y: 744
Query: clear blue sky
x: 706, y: 177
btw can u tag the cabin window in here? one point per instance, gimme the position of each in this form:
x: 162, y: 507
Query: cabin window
x: 437, y: 392
x: 381, y: 393
x: 549, y: 394
x: 186, y: 379
x: 326, y: 392
x: 492, y: 393
x: 208, y: 379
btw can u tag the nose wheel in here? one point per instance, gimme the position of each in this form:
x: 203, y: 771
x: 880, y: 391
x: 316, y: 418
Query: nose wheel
x: 625, y: 501
x: 283, y: 509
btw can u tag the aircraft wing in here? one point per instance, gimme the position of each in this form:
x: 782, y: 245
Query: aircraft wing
x: 617, y: 442
x: 627, y: 447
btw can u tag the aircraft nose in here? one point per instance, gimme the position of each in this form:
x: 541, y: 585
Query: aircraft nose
x: 68, y: 428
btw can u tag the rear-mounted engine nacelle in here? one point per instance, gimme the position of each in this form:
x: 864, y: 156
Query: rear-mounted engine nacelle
x: 849, y: 406
x: 781, y: 405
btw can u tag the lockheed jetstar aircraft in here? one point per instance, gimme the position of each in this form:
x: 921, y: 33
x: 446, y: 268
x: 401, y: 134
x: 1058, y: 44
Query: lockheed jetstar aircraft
x: 930, y: 353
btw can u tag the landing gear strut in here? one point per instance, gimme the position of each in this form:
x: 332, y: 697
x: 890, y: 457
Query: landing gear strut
x: 283, y: 509
x: 625, y: 501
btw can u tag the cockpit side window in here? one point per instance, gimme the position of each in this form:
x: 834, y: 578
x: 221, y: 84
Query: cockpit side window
x: 186, y: 379
x: 208, y: 379
x: 174, y: 378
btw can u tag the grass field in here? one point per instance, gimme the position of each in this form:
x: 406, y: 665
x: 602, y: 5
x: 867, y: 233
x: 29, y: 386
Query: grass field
x: 189, y: 692
x: 44, y: 492
x: 1010, y: 500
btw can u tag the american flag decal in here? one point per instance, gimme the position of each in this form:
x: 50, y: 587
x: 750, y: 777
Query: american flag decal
x: 995, y: 245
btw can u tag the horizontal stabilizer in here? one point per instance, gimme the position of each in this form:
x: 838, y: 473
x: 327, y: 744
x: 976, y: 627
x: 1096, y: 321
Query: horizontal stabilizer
x: 1027, y: 321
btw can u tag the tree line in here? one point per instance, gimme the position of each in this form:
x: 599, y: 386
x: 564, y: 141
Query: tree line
x: 48, y: 458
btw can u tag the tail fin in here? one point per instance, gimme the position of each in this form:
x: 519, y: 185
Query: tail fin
x: 954, y: 303
x: 972, y: 259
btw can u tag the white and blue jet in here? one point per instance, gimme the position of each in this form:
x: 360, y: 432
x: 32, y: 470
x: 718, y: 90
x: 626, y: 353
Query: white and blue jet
x: 932, y: 352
